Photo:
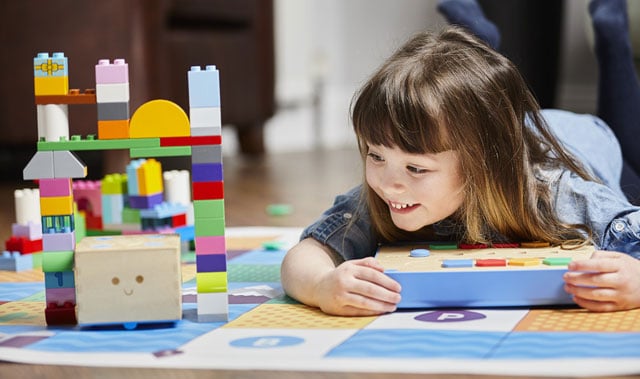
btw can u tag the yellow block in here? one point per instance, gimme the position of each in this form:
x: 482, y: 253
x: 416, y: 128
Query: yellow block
x: 56, y: 206
x: 150, y: 180
x: 208, y: 282
x: 159, y: 118
x: 55, y: 85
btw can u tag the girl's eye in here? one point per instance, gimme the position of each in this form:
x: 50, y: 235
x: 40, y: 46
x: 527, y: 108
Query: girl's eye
x: 375, y: 157
x: 416, y: 170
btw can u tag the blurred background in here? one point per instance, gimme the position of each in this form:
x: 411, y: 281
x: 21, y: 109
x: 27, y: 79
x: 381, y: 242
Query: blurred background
x: 288, y: 71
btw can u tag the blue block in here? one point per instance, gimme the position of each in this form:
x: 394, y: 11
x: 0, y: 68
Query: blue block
x: 186, y: 233
x: 206, y: 172
x: 163, y: 210
x: 50, y: 66
x: 14, y: 261
x: 204, y: 87
x: 60, y: 279
x: 211, y: 262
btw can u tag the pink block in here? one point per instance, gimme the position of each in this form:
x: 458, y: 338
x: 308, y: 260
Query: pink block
x: 59, y: 241
x: 60, y: 295
x: 87, y: 194
x: 210, y: 245
x: 55, y: 187
x: 108, y: 73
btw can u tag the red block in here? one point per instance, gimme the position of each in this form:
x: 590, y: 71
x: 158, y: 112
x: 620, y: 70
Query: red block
x: 93, y: 222
x: 491, y: 262
x: 208, y: 190
x: 60, y: 314
x: 179, y: 220
x: 190, y: 141
x: 23, y: 245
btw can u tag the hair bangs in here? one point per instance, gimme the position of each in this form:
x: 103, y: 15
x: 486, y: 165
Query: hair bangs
x: 393, y: 114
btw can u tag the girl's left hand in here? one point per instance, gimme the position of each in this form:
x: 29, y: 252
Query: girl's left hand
x: 609, y: 281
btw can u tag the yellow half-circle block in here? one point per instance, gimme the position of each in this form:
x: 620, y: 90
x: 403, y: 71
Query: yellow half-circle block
x: 159, y: 118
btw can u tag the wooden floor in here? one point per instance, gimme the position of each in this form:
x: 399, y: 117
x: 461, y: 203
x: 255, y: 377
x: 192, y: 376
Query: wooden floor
x: 306, y: 181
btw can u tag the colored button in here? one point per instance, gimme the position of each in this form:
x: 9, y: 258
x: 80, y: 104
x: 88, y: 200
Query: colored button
x: 418, y: 253
x: 457, y: 263
x: 443, y: 246
x: 557, y: 261
x: 524, y: 262
x: 491, y: 262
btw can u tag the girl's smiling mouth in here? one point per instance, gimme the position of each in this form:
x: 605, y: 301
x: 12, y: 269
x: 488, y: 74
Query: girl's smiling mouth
x: 401, y: 207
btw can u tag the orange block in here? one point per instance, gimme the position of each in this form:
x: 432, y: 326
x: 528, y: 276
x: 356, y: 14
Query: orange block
x: 113, y: 129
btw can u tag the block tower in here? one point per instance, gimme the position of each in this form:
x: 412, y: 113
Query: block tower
x: 157, y: 128
x: 208, y: 194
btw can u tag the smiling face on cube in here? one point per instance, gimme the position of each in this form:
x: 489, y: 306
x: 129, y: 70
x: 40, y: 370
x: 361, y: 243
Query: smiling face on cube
x: 124, y: 281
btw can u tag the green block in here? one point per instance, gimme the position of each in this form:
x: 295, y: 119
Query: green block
x: 208, y: 209
x: 57, y: 261
x: 76, y: 143
x: 211, y: 282
x: 206, y: 227
x: 168, y: 151
x: 130, y: 215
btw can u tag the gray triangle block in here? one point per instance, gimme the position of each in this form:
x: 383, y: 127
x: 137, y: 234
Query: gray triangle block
x: 39, y: 167
x: 68, y: 165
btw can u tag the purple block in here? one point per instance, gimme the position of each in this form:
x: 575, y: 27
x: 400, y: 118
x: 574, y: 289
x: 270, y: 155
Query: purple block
x: 211, y: 263
x: 59, y: 242
x: 206, y: 172
x: 145, y: 202
x: 32, y: 231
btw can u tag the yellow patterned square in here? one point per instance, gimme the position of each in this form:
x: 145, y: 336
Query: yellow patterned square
x: 22, y: 313
x: 293, y: 316
x: 579, y: 320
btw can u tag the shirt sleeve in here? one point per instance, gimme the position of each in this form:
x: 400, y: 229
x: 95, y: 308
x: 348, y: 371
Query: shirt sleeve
x: 614, y: 222
x: 345, y: 227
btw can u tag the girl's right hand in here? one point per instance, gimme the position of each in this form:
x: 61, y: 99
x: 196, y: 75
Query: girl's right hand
x: 357, y: 288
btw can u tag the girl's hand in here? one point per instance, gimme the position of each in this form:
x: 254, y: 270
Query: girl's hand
x: 357, y: 288
x: 609, y: 281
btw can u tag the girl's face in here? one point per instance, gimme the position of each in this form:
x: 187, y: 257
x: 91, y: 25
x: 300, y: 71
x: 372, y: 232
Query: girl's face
x: 419, y: 189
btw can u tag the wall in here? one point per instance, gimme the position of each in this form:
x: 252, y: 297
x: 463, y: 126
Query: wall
x: 326, y: 48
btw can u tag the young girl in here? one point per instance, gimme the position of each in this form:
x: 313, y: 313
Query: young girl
x: 456, y: 148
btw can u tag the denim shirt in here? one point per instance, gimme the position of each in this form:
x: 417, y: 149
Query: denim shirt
x: 615, y: 223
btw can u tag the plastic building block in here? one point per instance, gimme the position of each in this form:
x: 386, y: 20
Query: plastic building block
x: 27, y: 206
x: 159, y: 118
x: 113, y: 129
x: 206, y: 154
x: 163, y: 210
x: 206, y: 172
x: 116, y: 72
x: 39, y: 167
x: 144, y: 202
x: 60, y: 315
x: 60, y: 279
x: 112, y: 93
x: 208, y: 190
x: 23, y: 245
x: 76, y: 143
x: 114, y: 184
x: 190, y: 141
x: 73, y: 97
x: 55, y: 65
x: 208, y: 208
x: 87, y: 195
x: 213, y: 307
x: 57, y: 261
x: 205, y: 117
x: 55, y: 187
x: 172, y: 151
x: 14, y: 261
x: 113, y: 111
x: 204, y: 87
x: 211, y: 262
x: 30, y: 231
x: 57, y: 224
x: 205, y: 227
x: 207, y: 131
x: 60, y: 296
x: 177, y: 186
x: 59, y: 241
x: 51, y: 206
x: 53, y: 121
x: 128, y: 279
x: 67, y: 165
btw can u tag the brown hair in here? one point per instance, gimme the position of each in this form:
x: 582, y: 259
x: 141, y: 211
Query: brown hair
x: 450, y: 91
